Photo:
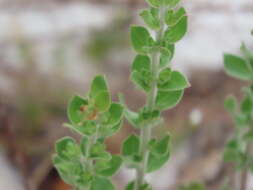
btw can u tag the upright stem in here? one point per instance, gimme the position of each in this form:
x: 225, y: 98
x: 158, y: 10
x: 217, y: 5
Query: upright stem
x: 145, y: 133
x: 245, y: 172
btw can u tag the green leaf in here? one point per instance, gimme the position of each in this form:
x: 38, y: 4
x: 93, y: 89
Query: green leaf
x: 241, y: 119
x: 99, y: 183
x: 150, y: 20
x: 230, y: 104
x: 140, y: 63
x: 158, y: 3
x: 246, y: 105
x: 161, y: 147
x: 69, y: 171
x: 164, y: 76
x: 98, y: 85
x: 102, y: 101
x: 176, y: 32
x: 168, y: 99
x: 173, y: 17
x: 98, y: 152
x: 171, y: 3
x: 165, y: 58
x: 75, y: 114
x: 248, y: 55
x: 132, y: 117
x: 114, y: 114
x: 131, y: 146
x: 236, y: 66
x: 154, y: 3
x: 142, y: 79
x: 106, y: 131
x: 141, y: 39
x: 83, y: 145
x: 232, y: 151
x: 193, y: 186
x: 156, y: 162
x: 67, y: 148
x: 87, y: 128
x: 130, y: 186
x: 112, y: 166
x: 175, y: 81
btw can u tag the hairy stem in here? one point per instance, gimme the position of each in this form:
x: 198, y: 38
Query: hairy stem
x: 145, y: 133
x: 245, y: 173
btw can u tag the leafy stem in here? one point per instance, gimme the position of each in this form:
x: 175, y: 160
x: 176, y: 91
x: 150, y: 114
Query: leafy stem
x: 145, y: 132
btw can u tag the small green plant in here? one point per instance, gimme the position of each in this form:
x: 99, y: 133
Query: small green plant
x: 238, y: 149
x: 87, y: 164
x: 151, y: 72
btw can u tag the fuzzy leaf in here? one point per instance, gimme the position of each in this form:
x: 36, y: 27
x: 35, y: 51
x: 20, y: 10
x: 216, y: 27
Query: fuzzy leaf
x: 236, y: 66
x: 142, y: 79
x: 87, y: 128
x: 102, y: 101
x: 112, y: 166
x: 248, y: 55
x: 98, y: 152
x: 176, y: 32
x: 230, y: 104
x: 165, y: 58
x: 75, y: 114
x: 67, y: 148
x: 161, y: 147
x: 106, y: 131
x: 141, y: 39
x: 168, y: 99
x: 246, y: 105
x: 131, y: 146
x: 156, y: 162
x: 130, y: 186
x: 177, y: 81
x: 114, y: 114
x: 71, y: 171
x: 132, y: 117
x: 141, y: 62
x: 154, y: 3
x: 173, y: 17
x: 98, y: 85
x: 99, y: 183
x: 171, y: 3
x: 84, y: 144
x: 150, y: 20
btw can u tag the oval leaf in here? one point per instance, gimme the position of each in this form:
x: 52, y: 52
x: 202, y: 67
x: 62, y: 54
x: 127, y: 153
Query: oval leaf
x: 156, y: 162
x: 150, y: 20
x: 168, y: 99
x: 141, y: 62
x: 141, y: 39
x: 99, y: 183
x: 98, y: 85
x: 176, y: 32
x: 103, y: 101
x: 177, y: 81
x: 75, y: 115
x: 112, y: 166
x: 131, y: 146
x: 237, y: 67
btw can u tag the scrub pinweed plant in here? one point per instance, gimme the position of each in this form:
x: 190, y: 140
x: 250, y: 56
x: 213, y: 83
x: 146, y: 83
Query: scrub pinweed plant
x: 87, y: 164
x: 151, y: 72
x: 239, y: 148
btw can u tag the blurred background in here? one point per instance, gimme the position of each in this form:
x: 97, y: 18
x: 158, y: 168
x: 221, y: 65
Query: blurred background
x: 51, y: 49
